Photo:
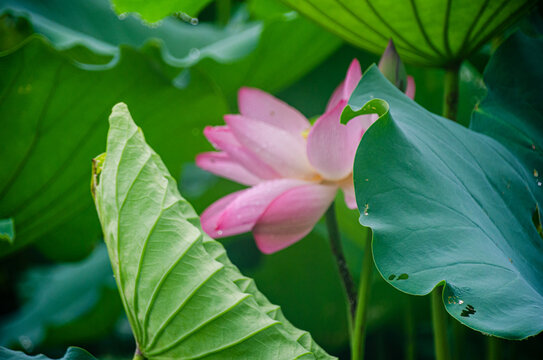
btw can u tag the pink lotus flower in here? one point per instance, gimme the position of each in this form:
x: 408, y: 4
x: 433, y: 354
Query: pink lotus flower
x: 294, y: 169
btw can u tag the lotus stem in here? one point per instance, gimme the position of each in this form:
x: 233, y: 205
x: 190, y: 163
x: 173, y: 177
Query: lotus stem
x: 361, y: 316
x: 439, y: 323
x: 493, y: 348
x: 137, y: 354
x: 337, y: 251
x: 450, y: 96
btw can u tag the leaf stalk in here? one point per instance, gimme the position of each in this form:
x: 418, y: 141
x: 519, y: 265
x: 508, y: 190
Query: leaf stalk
x: 359, y: 330
x: 450, y: 95
x: 439, y: 324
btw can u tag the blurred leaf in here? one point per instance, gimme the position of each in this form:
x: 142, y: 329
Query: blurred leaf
x: 7, y: 231
x: 95, y: 26
x: 240, y: 54
x: 183, y: 292
x: 72, y: 353
x: 156, y: 10
x: 13, y: 30
x: 447, y: 204
x: 430, y: 85
x: 51, y: 116
x: 199, y: 99
x: 303, y: 279
x: 67, y: 303
x: 512, y: 112
x: 432, y: 33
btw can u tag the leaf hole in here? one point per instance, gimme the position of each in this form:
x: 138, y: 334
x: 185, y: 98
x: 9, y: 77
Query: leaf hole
x: 392, y: 277
x: 469, y: 310
x: 403, y: 277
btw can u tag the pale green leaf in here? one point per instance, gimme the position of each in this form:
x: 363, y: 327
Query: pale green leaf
x: 183, y: 297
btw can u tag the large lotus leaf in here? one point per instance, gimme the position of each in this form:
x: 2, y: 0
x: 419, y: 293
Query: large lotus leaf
x: 66, y: 302
x: 73, y: 353
x: 95, y: 26
x: 243, y: 53
x: 183, y: 297
x: 512, y: 112
x: 153, y: 11
x: 51, y: 112
x: 449, y: 205
x: 434, y: 33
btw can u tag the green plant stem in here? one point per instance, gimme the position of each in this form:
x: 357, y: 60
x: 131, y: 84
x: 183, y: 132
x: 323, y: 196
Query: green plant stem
x: 409, y: 331
x: 493, y: 349
x: 439, y: 324
x: 450, y: 96
x: 137, y: 354
x: 337, y: 251
x: 223, y: 11
x: 358, y: 340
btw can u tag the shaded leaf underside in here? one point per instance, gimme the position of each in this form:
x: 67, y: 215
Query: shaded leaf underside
x: 435, y: 33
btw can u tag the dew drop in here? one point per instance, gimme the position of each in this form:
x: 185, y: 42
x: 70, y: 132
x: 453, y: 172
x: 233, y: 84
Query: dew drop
x: 194, y: 21
x: 122, y: 16
x: 460, y: 302
x: 219, y: 232
x: 539, y: 183
x: 366, y: 208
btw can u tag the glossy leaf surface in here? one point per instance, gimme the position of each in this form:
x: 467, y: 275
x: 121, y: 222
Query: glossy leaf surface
x: 448, y: 204
x: 183, y: 297
x: 434, y: 33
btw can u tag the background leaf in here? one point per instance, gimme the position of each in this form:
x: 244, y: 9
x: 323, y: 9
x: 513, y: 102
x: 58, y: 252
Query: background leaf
x: 193, y: 92
x: 153, y: 11
x: 66, y: 303
x: 51, y: 137
x: 512, y: 112
x: 72, y: 353
x: 431, y: 33
x: 447, y: 204
x: 182, y: 295
x: 7, y: 231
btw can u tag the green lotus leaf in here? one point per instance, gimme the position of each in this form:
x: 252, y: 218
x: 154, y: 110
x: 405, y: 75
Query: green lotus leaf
x: 73, y: 353
x: 449, y: 205
x: 512, y: 111
x: 153, y: 11
x: 431, y: 33
x: 183, y: 297
x: 51, y: 112
x: 205, y: 89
